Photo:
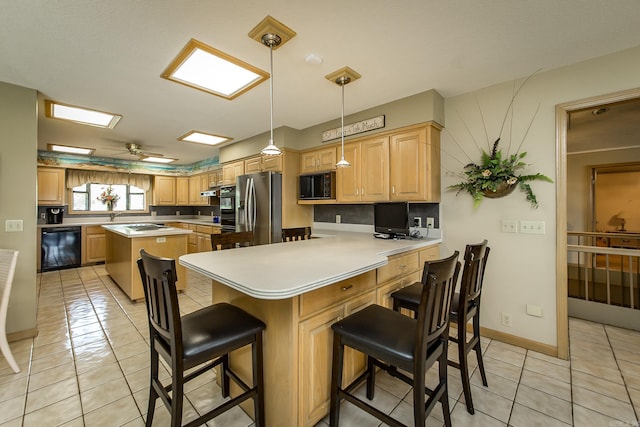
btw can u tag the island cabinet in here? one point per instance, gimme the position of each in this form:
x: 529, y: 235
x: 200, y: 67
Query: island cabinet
x: 320, y: 160
x: 298, y: 339
x: 50, y: 186
x: 164, y: 190
x: 367, y: 180
x: 415, y: 164
x: 123, y: 252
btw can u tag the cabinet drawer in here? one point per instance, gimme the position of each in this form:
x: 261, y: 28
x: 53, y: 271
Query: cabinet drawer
x: 206, y: 229
x: 398, y: 266
x: 310, y: 302
x: 429, y: 254
x: 94, y: 229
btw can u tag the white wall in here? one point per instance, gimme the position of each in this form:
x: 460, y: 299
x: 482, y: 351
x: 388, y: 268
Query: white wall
x: 18, y: 149
x: 521, y: 268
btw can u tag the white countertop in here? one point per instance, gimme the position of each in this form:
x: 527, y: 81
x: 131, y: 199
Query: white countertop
x: 71, y: 222
x: 284, y: 270
x: 124, y: 230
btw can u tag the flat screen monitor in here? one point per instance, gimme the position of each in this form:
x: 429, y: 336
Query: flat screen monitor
x: 391, y: 218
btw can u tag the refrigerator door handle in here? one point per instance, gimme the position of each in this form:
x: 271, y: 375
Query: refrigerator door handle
x: 251, y: 211
x: 245, y: 214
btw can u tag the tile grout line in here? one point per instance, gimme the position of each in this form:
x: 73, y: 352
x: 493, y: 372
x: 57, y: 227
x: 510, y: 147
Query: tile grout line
x: 626, y: 387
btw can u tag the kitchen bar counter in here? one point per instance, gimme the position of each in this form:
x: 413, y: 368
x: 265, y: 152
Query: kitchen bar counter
x: 299, y: 289
x: 288, y: 269
x: 144, y: 230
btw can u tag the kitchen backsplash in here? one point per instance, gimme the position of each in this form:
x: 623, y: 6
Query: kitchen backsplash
x: 363, y: 214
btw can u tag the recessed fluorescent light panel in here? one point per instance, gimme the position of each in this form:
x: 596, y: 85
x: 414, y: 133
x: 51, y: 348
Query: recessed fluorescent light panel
x: 203, y: 138
x: 158, y: 159
x: 68, y: 149
x: 55, y: 110
x: 211, y: 70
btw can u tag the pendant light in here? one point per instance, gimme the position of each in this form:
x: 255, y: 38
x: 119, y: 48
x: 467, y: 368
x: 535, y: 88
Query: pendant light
x: 343, y: 77
x: 273, y: 34
x: 271, y: 40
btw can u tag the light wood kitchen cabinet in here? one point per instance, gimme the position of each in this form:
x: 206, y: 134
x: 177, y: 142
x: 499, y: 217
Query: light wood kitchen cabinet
x: 203, y: 237
x: 51, y: 186
x: 263, y: 164
x: 415, y: 164
x: 164, y: 190
x: 197, y: 184
x: 320, y: 160
x: 215, y: 178
x: 93, y: 244
x: 182, y: 191
x: 232, y: 170
x: 367, y: 180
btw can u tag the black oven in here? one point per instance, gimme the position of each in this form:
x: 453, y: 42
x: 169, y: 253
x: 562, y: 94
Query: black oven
x: 60, y: 248
x: 228, y: 209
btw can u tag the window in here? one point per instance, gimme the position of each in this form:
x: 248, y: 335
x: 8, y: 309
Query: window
x: 130, y: 198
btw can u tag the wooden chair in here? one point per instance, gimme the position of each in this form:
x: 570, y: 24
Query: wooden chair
x: 299, y: 233
x: 202, y: 339
x: 231, y: 240
x: 8, y: 260
x: 465, y: 307
x: 391, y: 340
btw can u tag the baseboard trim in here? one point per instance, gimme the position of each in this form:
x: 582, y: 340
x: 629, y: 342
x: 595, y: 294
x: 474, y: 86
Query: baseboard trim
x: 22, y: 335
x: 547, y: 349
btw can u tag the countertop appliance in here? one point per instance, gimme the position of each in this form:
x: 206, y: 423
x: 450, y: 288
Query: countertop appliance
x: 259, y: 206
x: 60, y: 248
x: 228, y: 209
x: 318, y: 186
x: 54, y: 215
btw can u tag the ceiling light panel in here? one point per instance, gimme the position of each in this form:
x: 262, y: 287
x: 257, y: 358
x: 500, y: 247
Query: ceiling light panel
x: 208, y: 69
x: 152, y: 159
x: 204, y: 138
x: 55, y: 110
x: 69, y: 149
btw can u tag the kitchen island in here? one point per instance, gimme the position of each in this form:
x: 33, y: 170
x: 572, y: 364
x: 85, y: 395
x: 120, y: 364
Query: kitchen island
x: 299, y: 289
x: 123, y: 243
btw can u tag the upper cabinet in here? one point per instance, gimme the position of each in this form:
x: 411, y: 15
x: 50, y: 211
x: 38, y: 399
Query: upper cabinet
x: 197, y: 184
x: 320, y: 160
x: 263, y: 163
x: 50, y: 186
x: 182, y: 191
x: 367, y: 179
x: 415, y: 164
x: 232, y: 170
x: 164, y: 190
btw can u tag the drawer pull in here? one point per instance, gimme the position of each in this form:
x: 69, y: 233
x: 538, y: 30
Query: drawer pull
x: 346, y: 288
x: 403, y: 266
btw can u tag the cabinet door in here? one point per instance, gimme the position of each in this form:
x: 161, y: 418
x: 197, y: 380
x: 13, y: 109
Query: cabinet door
x: 375, y: 170
x: 204, y: 185
x: 408, y: 163
x: 316, y: 346
x: 164, y: 190
x: 355, y: 361
x: 272, y: 163
x: 194, y: 190
x: 96, y: 247
x: 384, y: 292
x: 349, y: 182
x: 253, y: 164
x: 327, y: 159
x: 50, y: 186
x: 182, y: 191
x: 308, y: 162
x: 228, y: 177
x: 238, y: 169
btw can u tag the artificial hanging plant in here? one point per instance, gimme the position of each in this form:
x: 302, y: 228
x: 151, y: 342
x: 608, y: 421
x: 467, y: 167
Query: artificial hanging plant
x: 498, y: 174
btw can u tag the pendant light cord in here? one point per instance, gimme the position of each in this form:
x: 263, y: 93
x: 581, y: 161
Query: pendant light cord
x: 271, y: 91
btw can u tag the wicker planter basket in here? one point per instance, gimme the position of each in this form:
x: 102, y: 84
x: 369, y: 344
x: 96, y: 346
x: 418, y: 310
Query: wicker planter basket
x: 503, y: 189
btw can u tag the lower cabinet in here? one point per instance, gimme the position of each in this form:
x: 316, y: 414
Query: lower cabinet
x: 93, y: 244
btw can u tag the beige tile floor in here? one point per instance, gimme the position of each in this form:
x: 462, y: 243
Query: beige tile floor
x: 89, y: 367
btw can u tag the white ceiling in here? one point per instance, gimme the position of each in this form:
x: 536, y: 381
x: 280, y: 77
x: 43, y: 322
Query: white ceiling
x: 108, y: 55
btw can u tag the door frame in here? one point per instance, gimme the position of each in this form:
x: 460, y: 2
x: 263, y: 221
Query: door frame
x: 562, y: 111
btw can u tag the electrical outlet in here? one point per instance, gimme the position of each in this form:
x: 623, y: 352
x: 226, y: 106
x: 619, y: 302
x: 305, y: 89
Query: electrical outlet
x: 532, y: 227
x: 417, y: 221
x: 177, y: 213
x: 509, y: 226
x: 506, y: 319
x: 534, y: 310
x: 338, y: 219
x: 12, y: 225
x: 430, y: 222
x: 43, y: 216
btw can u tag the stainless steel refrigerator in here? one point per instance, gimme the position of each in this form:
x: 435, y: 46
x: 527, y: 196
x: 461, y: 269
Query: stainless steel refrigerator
x: 259, y: 206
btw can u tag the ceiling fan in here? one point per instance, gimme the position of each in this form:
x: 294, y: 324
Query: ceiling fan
x: 135, y: 149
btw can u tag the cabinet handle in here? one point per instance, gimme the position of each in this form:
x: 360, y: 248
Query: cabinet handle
x: 393, y: 189
x: 363, y: 191
x: 403, y: 266
x: 346, y: 288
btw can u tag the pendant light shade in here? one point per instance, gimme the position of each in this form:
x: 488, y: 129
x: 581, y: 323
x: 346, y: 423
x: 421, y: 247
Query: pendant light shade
x: 343, y: 77
x: 271, y: 40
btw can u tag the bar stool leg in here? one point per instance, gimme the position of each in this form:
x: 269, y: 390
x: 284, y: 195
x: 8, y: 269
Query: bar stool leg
x: 258, y: 380
x: 336, y: 380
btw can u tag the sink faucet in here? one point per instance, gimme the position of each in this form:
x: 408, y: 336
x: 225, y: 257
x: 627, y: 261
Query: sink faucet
x: 113, y: 215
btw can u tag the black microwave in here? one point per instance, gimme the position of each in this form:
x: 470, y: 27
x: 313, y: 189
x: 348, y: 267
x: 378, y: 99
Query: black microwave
x: 319, y: 186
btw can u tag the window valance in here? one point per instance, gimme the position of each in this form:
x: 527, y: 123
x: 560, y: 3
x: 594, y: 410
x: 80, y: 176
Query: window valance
x: 76, y: 177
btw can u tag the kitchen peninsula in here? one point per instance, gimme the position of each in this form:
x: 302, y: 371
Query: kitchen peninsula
x: 123, y: 243
x: 299, y: 289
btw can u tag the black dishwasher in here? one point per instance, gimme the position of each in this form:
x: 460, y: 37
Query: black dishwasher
x: 60, y: 248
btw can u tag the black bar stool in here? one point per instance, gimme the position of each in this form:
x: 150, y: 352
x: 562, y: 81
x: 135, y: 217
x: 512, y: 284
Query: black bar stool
x: 204, y: 337
x: 231, y: 240
x: 465, y: 307
x: 391, y: 340
x: 298, y: 233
